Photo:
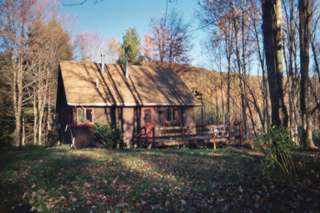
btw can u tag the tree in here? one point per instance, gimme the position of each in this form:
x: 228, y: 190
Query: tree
x: 130, y: 47
x: 305, y: 17
x: 15, y: 19
x: 88, y: 46
x: 230, y: 24
x: 113, y: 50
x: 159, y: 37
x: 48, y: 44
x: 213, y: 15
x: 171, y: 38
x: 33, y: 43
x: 273, y: 48
x: 256, y: 20
x: 148, y: 48
x: 291, y: 42
x: 6, y: 114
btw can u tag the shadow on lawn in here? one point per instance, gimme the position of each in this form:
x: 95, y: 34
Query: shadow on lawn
x: 28, y: 173
x: 203, y: 182
x: 141, y: 180
x: 232, y: 180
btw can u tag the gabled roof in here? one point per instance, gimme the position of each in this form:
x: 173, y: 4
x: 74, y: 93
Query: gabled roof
x: 85, y: 84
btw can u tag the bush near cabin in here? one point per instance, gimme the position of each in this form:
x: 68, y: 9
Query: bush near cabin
x: 106, y: 135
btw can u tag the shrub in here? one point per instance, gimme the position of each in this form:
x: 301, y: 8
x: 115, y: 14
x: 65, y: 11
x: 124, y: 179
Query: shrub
x: 277, y: 147
x: 106, y: 135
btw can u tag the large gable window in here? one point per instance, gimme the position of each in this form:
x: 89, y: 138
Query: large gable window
x: 84, y: 115
x: 170, y: 116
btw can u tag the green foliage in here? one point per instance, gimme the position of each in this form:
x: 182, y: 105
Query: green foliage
x: 131, y: 44
x: 277, y: 147
x: 106, y: 135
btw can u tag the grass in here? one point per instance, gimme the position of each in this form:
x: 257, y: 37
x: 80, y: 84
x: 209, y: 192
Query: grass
x: 59, y: 179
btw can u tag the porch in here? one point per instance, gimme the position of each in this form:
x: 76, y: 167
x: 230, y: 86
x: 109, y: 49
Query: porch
x: 182, y: 136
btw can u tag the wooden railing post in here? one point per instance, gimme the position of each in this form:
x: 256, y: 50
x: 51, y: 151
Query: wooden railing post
x: 153, y: 135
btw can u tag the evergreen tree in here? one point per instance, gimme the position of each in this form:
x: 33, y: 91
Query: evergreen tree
x: 130, y: 46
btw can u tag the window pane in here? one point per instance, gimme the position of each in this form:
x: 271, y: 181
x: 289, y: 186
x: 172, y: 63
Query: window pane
x: 89, y: 115
x: 169, y: 114
x: 81, y: 115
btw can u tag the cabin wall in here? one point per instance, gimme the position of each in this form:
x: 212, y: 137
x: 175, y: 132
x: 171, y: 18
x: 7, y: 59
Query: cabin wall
x: 128, y: 121
x: 64, y: 113
x: 188, y: 119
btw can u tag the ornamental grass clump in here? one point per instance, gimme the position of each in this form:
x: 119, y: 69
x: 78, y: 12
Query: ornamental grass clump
x: 277, y: 146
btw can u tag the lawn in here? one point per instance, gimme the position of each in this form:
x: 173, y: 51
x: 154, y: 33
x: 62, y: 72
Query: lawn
x: 59, y: 179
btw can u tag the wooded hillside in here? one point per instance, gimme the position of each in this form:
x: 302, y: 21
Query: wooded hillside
x: 213, y: 86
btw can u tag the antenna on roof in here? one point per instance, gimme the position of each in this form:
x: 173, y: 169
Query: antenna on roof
x: 102, y: 62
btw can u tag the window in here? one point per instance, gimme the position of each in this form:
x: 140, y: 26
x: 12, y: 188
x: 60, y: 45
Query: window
x: 169, y: 114
x: 147, y: 116
x: 89, y: 115
x: 85, y: 115
x: 81, y: 115
x: 161, y: 116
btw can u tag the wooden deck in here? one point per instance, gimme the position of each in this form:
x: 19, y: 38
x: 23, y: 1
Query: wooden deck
x: 195, y: 140
x: 207, y: 135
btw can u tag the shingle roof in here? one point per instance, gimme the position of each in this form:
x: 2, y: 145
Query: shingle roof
x: 85, y: 84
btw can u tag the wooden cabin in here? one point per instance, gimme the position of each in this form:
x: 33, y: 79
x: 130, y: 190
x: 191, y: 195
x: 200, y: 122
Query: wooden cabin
x: 132, y: 98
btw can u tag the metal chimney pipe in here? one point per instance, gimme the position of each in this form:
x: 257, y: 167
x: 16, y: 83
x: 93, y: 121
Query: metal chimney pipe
x: 126, y: 68
x: 102, y: 63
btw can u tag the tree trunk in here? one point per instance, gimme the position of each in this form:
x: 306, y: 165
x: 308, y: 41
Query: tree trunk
x: 17, y: 89
x: 35, y: 119
x: 272, y: 22
x: 305, y: 17
x: 227, y: 41
x: 291, y: 43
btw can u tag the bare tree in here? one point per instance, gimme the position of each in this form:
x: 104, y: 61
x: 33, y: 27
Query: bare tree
x: 170, y: 37
x: 112, y: 50
x: 213, y: 14
x: 230, y: 23
x: 88, y: 45
x: 34, y: 46
x: 148, y: 48
x: 159, y: 38
x: 48, y: 43
x: 16, y: 17
x: 305, y: 17
x: 290, y: 53
x: 255, y: 15
x: 273, y: 47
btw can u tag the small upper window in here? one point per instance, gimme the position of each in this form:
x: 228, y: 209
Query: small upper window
x: 81, y: 115
x: 89, y: 115
x: 85, y: 115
